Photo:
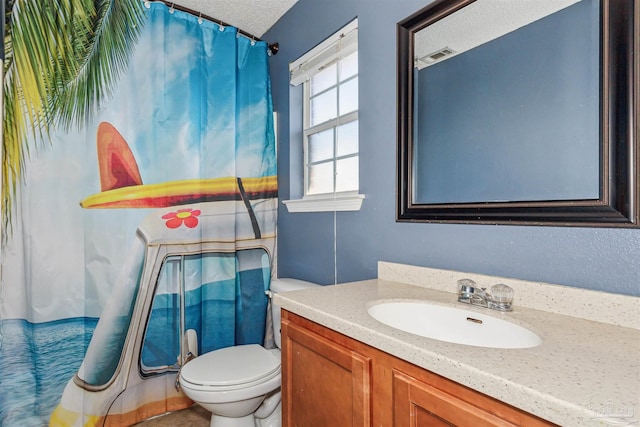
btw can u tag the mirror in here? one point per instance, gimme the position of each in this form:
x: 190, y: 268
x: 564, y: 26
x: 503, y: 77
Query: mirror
x: 519, y: 113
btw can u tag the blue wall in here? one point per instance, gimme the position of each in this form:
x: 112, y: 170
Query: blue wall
x: 593, y: 258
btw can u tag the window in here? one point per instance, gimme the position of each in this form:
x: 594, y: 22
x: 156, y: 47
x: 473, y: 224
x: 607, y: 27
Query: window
x: 222, y: 299
x: 329, y: 75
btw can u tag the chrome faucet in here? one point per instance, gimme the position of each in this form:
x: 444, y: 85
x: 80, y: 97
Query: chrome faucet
x: 500, y: 298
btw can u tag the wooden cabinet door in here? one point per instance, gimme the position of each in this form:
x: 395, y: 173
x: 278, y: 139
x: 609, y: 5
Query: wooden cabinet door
x: 324, y: 384
x: 419, y: 404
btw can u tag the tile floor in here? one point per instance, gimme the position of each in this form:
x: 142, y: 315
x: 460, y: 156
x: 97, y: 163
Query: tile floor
x: 195, y: 416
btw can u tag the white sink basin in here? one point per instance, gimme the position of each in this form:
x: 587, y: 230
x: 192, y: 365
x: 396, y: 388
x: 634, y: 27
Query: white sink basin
x: 454, y: 325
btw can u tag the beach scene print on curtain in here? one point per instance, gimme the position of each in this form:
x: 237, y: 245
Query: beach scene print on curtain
x: 144, y: 236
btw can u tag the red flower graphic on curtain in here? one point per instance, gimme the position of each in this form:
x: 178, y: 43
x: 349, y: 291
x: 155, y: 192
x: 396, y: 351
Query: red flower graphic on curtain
x: 188, y: 217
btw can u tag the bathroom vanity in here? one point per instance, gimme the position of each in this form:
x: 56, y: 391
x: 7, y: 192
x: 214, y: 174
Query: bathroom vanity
x: 342, y: 367
x: 332, y: 380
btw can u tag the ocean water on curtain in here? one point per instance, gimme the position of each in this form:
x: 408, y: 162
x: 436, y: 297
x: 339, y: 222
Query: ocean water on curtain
x: 61, y: 346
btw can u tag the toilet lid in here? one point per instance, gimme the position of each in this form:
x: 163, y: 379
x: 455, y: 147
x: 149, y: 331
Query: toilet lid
x: 232, y: 365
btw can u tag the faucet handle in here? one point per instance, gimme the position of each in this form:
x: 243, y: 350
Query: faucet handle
x: 466, y: 290
x: 502, y: 295
x: 466, y: 286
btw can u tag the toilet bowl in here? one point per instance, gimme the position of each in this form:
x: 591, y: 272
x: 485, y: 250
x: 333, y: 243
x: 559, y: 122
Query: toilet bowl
x: 240, y: 385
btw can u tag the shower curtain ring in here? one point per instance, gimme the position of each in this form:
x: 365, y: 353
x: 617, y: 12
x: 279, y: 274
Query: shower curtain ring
x: 172, y: 9
x: 200, y: 18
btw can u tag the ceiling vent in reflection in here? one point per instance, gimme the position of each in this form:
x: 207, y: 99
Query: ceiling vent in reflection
x: 433, y: 57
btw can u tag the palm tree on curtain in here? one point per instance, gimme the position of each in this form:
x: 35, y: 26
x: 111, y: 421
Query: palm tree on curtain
x: 62, y: 59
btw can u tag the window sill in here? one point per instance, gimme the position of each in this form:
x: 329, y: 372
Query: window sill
x: 330, y: 203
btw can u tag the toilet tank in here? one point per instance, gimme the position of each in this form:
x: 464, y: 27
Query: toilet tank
x: 284, y: 285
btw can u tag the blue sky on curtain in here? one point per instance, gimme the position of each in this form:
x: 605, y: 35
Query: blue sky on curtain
x: 115, y: 219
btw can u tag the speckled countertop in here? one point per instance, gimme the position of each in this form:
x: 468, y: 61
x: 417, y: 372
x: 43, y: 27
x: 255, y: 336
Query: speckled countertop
x: 585, y: 373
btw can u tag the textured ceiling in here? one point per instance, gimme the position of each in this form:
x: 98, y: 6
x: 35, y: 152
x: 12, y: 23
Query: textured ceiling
x: 252, y: 16
x: 479, y: 23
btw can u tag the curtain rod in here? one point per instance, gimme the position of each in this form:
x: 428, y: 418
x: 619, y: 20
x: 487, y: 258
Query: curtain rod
x: 273, y: 47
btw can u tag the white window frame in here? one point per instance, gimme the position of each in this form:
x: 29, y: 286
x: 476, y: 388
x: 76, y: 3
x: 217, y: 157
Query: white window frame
x: 339, y: 45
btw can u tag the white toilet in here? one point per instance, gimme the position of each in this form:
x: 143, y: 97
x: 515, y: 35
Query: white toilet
x: 241, y: 385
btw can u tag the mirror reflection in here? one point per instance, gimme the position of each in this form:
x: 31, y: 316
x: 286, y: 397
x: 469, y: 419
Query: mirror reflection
x: 507, y: 103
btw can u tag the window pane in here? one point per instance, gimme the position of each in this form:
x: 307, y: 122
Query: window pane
x: 330, y: 116
x: 347, y: 174
x: 221, y: 304
x: 210, y: 284
x: 323, y: 107
x: 321, y: 178
x: 349, y: 66
x: 349, y: 96
x: 321, y: 146
x: 347, y: 139
x: 324, y: 79
x: 161, y: 344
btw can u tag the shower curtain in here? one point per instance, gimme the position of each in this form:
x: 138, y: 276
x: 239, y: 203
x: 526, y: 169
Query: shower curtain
x: 141, y: 235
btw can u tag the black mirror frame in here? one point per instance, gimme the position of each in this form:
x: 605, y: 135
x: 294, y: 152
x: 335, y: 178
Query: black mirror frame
x: 618, y: 204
